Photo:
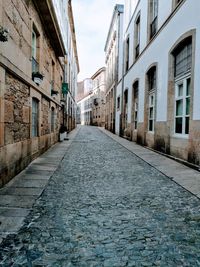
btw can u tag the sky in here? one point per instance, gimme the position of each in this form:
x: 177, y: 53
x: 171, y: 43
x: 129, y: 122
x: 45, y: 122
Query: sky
x: 92, y: 20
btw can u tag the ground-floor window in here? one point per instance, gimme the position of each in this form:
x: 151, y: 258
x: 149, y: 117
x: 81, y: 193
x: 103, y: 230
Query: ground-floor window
x: 151, y: 111
x: 52, y: 119
x: 35, y: 117
x: 182, y: 105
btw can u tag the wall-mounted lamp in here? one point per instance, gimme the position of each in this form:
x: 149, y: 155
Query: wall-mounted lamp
x: 3, y: 34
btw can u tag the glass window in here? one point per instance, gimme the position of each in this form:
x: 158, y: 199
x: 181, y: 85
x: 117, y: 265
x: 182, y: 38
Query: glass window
x: 183, y: 60
x: 35, y: 117
x: 135, y: 104
x: 182, y: 106
x: 52, y: 119
x: 151, y: 101
x: 153, y: 17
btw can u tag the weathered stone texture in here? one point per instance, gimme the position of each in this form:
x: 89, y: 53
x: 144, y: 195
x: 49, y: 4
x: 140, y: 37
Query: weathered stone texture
x: 45, y: 117
x: 16, y: 112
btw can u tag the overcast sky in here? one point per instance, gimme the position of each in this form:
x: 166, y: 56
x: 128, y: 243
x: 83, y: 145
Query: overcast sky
x: 92, y: 20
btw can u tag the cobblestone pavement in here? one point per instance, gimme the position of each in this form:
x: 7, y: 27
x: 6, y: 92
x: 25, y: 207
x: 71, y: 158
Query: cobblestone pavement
x: 106, y: 207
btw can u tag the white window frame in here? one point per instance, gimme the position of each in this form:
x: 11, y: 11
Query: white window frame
x: 179, y: 81
x: 151, y: 106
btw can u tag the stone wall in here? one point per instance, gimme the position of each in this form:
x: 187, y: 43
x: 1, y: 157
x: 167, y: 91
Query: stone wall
x: 16, y: 110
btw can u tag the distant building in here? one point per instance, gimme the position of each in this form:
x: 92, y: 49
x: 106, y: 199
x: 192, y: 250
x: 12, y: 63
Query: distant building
x: 84, y: 102
x: 38, y: 70
x: 98, y: 94
x: 91, y: 100
x: 113, y: 48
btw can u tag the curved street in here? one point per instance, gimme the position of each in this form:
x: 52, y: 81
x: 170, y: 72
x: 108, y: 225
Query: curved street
x: 106, y: 207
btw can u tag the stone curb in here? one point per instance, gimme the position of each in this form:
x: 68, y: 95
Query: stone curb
x: 181, y: 174
x: 19, y: 195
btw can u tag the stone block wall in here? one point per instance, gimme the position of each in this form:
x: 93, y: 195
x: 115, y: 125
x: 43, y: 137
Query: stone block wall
x: 16, y: 110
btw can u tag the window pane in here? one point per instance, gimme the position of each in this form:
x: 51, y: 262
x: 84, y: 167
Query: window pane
x: 151, y: 113
x: 150, y: 125
x: 179, y: 107
x: 187, y: 119
x: 188, y: 86
x: 180, y: 89
x: 187, y: 106
x: 178, y: 126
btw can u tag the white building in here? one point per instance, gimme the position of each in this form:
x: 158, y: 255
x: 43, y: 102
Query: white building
x: 159, y: 87
x: 113, y: 47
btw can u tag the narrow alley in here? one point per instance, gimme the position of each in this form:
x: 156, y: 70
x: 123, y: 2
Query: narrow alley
x: 105, y: 206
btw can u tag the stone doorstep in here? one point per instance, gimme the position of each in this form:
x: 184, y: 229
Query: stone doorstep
x: 183, y: 175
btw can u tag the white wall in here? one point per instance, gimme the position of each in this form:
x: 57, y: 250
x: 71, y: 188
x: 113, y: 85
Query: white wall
x: 158, y: 51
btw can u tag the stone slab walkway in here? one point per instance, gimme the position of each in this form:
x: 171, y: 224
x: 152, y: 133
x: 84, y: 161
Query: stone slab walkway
x: 187, y: 177
x: 106, y: 206
x: 19, y: 195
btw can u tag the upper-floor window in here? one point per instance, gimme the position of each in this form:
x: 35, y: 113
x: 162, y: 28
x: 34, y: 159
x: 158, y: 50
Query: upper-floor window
x: 35, y: 50
x: 137, y: 37
x: 176, y: 3
x: 153, y: 15
x: 127, y: 55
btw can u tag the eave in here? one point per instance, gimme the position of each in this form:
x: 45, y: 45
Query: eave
x: 47, y: 15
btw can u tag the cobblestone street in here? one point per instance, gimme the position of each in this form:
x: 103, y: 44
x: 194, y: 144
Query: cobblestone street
x: 104, y: 206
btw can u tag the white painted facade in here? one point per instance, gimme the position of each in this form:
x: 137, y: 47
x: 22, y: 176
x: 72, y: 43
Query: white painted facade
x: 112, y: 51
x: 173, y: 22
x: 64, y: 15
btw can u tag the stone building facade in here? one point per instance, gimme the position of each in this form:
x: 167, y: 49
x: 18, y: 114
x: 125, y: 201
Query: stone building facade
x: 84, y: 102
x: 91, y: 100
x: 32, y: 73
x: 113, y: 48
x: 98, y: 95
x: 158, y: 89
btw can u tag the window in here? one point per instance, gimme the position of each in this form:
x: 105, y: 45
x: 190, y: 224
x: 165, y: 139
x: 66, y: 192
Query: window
x: 52, y: 119
x: 127, y: 55
x: 176, y: 3
x: 151, y: 98
x: 182, y: 106
x: 118, y: 102
x: 183, y: 59
x: 135, y: 104
x: 35, y: 52
x: 137, y: 37
x: 35, y: 117
x: 182, y: 73
x: 153, y: 13
x: 126, y: 107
